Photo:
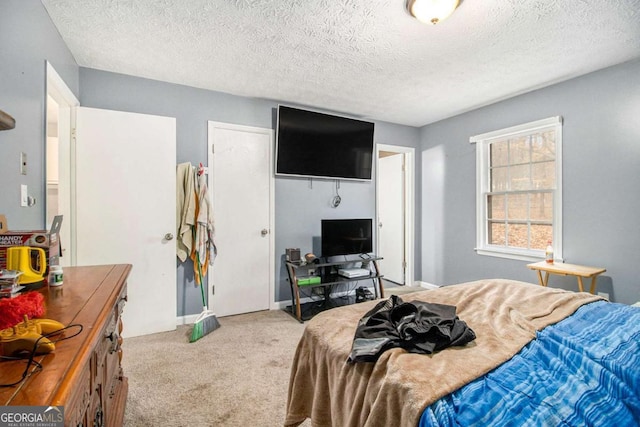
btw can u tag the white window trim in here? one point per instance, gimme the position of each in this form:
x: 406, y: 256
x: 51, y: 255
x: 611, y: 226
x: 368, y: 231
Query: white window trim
x: 482, y: 180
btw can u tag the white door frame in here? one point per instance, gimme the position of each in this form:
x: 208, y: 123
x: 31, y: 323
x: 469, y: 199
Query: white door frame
x: 273, y: 305
x: 409, y: 208
x: 67, y: 101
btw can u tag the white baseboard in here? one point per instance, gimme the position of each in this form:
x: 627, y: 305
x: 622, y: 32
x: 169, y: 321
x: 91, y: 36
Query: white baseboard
x: 186, y: 320
x: 190, y: 319
x: 280, y: 305
x: 426, y: 285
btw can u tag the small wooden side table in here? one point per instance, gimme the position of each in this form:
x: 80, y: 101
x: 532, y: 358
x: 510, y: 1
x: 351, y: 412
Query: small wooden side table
x: 563, y: 269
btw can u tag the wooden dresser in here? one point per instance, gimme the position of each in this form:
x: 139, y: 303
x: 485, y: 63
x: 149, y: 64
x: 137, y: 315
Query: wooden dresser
x: 84, y: 373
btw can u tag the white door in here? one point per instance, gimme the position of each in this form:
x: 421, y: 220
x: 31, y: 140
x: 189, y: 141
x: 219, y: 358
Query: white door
x: 240, y: 182
x: 126, y: 195
x: 391, y: 223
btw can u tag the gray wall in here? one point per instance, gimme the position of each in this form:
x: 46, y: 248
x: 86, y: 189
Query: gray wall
x: 601, y: 160
x: 601, y: 189
x: 299, y: 206
x: 27, y: 39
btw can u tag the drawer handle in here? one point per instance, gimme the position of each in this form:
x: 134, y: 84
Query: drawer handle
x: 115, y: 339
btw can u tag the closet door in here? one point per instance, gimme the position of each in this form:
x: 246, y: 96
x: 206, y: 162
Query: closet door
x: 241, y: 186
x: 126, y: 208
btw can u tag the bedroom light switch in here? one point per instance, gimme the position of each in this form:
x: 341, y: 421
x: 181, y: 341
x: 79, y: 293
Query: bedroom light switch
x: 24, y: 198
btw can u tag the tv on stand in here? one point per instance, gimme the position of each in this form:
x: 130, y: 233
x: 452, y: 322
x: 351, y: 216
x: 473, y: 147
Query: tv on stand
x: 346, y: 237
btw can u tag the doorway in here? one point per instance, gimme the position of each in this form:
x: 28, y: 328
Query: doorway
x: 60, y: 196
x: 241, y: 186
x: 117, y: 199
x: 395, y: 202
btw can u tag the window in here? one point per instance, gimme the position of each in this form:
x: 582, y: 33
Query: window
x: 519, y: 190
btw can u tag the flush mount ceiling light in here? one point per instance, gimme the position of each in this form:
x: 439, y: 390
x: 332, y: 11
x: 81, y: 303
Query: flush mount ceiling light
x: 431, y: 11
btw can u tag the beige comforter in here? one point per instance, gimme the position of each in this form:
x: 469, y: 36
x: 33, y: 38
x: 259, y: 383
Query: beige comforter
x: 504, y: 314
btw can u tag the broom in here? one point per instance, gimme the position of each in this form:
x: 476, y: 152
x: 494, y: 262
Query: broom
x: 206, y: 322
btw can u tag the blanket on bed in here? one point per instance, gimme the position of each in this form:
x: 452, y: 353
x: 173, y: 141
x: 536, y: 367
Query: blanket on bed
x: 395, y: 390
x: 582, y: 371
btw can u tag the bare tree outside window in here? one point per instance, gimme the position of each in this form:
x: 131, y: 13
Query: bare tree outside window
x: 520, y: 203
x: 518, y: 176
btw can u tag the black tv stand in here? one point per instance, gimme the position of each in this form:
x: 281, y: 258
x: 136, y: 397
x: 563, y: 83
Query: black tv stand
x: 328, y: 278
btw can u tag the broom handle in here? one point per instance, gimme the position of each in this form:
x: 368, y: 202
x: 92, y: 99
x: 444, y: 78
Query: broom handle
x: 204, y: 301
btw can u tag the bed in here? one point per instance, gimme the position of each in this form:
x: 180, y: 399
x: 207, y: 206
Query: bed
x: 541, y: 356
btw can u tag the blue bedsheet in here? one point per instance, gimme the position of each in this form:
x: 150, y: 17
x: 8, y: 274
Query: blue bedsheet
x: 582, y: 371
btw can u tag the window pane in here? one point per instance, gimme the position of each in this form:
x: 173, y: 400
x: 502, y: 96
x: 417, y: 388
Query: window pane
x: 520, y: 177
x: 497, y: 233
x: 499, y: 154
x: 495, y: 207
x: 517, y: 206
x: 499, y: 179
x: 543, y: 146
x: 541, y: 206
x: 540, y: 235
x: 543, y: 175
x: 519, y: 150
x: 518, y: 236
x: 518, y: 172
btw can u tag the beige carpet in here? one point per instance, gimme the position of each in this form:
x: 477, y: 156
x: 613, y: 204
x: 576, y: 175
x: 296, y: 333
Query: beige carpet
x: 238, y: 375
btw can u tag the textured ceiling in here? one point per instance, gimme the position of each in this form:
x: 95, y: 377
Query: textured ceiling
x: 367, y: 58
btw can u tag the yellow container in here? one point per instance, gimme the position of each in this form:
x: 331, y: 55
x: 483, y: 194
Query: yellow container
x: 32, y: 262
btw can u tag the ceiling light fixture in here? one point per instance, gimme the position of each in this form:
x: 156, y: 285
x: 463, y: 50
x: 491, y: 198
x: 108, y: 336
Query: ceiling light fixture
x: 432, y: 11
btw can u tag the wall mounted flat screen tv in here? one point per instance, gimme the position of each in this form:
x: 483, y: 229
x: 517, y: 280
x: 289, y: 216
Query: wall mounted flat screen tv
x: 346, y: 236
x: 311, y: 144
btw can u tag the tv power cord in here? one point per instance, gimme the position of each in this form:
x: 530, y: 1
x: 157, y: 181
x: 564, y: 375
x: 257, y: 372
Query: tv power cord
x: 335, y: 202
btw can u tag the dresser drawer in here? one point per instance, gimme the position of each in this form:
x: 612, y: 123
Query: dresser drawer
x: 78, y: 404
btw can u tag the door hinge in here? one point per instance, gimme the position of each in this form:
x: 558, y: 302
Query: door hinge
x: 404, y: 265
x: 213, y: 290
x: 73, y: 133
x: 213, y: 149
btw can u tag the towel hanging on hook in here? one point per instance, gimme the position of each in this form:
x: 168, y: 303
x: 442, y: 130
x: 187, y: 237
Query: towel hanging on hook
x: 185, y: 209
x: 204, y: 249
x: 187, y: 200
